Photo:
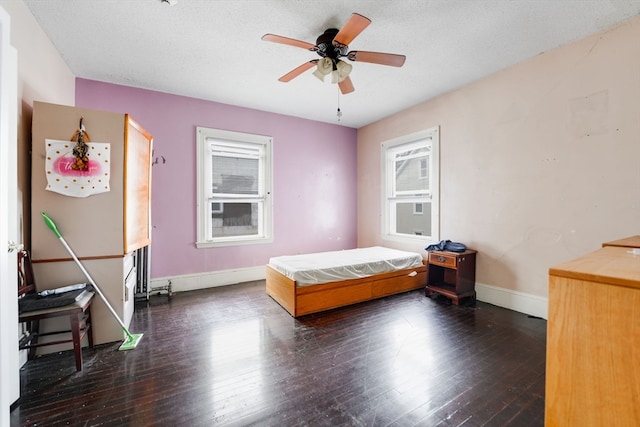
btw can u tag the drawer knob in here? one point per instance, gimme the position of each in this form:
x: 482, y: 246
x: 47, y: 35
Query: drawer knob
x: 442, y: 259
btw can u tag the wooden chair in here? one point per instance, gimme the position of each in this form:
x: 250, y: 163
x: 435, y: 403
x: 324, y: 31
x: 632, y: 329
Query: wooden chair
x: 78, y: 311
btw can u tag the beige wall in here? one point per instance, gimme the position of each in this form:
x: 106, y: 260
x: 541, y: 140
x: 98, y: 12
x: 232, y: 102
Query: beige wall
x: 540, y: 163
x: 42, y: 76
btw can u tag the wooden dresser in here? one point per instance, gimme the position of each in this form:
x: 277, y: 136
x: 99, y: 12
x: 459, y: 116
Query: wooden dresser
x: 593, y: 340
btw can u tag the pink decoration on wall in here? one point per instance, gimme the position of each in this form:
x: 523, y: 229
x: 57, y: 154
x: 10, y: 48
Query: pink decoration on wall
x: 63, y: 166
x: 63, y: 178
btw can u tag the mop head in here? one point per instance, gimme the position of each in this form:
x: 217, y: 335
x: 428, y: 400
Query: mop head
x: 131, y: 341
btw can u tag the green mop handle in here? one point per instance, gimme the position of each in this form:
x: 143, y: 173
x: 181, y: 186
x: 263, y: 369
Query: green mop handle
x: 53, y: 228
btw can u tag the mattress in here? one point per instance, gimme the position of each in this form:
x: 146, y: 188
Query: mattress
x: 324, y: 267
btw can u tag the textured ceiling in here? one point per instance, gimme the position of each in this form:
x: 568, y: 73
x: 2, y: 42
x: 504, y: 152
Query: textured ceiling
x: 211, y: 49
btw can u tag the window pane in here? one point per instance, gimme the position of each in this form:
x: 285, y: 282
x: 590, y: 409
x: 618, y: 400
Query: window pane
x: 235, y: 219
x: 411, y: 169
x: 410, y: 178
x: 235, y: 175
x: 412, y: 151
x: 407, y: 221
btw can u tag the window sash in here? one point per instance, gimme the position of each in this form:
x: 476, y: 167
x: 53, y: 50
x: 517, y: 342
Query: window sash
x: 252, y: 188
x: 230, y: 150
x: 403, y: 157
x: 410, y: 165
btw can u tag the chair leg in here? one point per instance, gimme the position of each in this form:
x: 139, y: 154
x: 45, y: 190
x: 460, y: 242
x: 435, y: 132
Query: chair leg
x: 77, y: 345
x: 35, y: 331
x: 89, y: 327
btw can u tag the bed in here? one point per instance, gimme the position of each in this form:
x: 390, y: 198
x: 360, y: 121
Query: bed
x: 310, y: 283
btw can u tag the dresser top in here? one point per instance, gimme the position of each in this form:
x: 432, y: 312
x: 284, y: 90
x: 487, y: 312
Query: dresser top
x: 628, y: 242
x: 614, y: 265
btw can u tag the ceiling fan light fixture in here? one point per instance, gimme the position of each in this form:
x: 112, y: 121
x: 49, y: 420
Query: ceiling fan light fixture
x: 319, y: 75
x: 335, y: 77
x: 342, y: 71
x: 325, y: 66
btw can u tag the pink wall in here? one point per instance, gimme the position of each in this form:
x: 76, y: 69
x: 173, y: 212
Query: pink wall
x: 314, y: 177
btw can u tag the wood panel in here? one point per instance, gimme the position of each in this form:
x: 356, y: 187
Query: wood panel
x: 397, y: 284
x: 137, y: 185
x: 282, y: 289
x: 609, y: 265
x: 593, y: 357
x: 82, y: 221
x: 314, y: 302
x: 627, y: 242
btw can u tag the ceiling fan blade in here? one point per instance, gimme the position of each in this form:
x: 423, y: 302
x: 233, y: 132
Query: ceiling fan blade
x: 354, y: 26
x: 286, y: 40
x: 377, y: 58
x: 346, y: 86
x: 298, y: 70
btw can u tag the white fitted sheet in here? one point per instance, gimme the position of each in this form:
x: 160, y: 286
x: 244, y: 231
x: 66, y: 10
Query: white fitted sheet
x: 324, y: 267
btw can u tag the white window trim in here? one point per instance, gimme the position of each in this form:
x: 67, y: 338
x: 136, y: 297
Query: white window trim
x: 203, y: 166
x: 434, y: 180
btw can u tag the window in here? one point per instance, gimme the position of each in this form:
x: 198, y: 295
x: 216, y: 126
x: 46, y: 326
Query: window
x: 410, y: 165
x: 234, y: 188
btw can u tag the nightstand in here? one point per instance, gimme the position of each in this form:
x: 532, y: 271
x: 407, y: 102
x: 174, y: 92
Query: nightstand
x: 452, y: 274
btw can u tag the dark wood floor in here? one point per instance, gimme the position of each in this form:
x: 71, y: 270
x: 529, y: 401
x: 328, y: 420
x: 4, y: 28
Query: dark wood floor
x: 232, y: 356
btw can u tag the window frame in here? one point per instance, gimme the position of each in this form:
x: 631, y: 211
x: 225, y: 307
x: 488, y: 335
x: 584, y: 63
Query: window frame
x: 204, y: 137
x: 389, y: 198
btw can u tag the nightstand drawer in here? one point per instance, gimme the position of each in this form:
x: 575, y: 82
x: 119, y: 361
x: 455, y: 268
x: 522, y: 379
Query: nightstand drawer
x: 443, y: 258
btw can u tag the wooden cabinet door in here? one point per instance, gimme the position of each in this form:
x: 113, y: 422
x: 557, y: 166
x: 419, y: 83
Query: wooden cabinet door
x: 137, y: 187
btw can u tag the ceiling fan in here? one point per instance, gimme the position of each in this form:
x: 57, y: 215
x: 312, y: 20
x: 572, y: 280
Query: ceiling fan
x: 331, y: 46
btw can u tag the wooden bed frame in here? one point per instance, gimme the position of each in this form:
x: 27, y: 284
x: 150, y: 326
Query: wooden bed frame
x: 301, y: 300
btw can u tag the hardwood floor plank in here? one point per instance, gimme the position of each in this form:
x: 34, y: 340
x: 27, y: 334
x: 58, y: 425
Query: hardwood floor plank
x: 231, y: 356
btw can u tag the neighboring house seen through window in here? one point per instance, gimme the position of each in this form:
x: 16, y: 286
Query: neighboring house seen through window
x: 234, y: 187
x: 411, y: 186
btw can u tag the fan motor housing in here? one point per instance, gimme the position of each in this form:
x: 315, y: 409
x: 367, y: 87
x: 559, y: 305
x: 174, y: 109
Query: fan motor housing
x: 325, y: 46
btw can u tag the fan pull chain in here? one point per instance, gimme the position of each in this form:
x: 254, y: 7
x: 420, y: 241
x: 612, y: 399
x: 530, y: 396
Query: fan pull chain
x: 339, y: 113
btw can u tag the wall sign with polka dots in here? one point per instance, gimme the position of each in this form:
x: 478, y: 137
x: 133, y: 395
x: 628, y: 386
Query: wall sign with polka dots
x: 65, y: 177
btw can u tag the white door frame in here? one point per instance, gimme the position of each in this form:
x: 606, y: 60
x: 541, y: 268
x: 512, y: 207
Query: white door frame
x: 9, y: 361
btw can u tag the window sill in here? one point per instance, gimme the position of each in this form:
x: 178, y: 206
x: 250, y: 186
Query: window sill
x: 238, y: 242
x: 409, y: 239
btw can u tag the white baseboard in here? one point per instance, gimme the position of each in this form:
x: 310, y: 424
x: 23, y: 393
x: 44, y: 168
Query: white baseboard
x: 513, y: 300
x: 212, y: 279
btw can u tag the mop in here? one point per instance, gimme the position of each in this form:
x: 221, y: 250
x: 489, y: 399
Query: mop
x: 131, y: 340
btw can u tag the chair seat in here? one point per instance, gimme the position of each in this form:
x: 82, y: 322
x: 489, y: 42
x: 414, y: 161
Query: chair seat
x: 76, y: 306
x: 82, y: 302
